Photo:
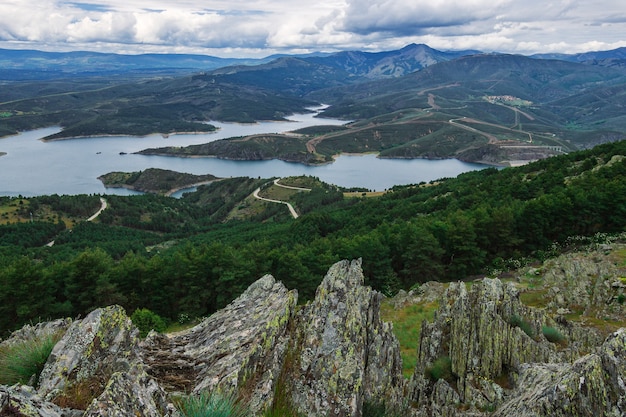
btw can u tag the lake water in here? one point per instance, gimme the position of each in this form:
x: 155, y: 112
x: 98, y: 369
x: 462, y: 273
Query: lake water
x: 32, y: 167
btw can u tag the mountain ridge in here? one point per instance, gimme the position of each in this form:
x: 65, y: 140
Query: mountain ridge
x: 36, y: 64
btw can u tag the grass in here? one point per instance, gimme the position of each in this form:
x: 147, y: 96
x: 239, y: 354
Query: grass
x: 211, y: 405
x: 407, y: 326
x: 534, y: 298
x: 553, y: 335
x: 80, y: 395
x: 526, y: 327
x: 278, y: 193
x: 440, y: 369
x: 19, y: 362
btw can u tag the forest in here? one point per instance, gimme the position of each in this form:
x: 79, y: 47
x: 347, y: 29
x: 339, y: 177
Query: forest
x: 186, y: 258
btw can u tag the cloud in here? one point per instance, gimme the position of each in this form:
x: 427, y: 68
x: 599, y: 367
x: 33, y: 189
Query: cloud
x: 244, y: 28
x: 416, y: 17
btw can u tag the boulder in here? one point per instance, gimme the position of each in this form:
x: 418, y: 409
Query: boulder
x: 23, y: 400
x: 132, y: 393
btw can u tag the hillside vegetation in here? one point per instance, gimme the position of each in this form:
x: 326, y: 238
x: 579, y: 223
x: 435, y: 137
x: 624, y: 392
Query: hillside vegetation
x: 411, y: 103
x: 181, y: 258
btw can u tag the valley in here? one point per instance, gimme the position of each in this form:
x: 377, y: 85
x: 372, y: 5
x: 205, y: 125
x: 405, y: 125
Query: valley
x: 315, y: 261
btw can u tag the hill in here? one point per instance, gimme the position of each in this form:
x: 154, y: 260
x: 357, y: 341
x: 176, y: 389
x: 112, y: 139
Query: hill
x: 404, y: 103
x: 493, y: 109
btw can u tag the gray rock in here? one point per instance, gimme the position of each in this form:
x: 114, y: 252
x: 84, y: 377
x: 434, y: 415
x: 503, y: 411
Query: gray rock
x: 92, y: 349
x: 594, y: 385
x: 132, y: 393
x: 25, y: 400
x: 239, y: 349
x: 345, y: 354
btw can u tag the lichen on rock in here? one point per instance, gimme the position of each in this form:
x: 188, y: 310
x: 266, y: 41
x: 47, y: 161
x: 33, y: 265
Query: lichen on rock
x: 94, y: 348
x: 346, y: 354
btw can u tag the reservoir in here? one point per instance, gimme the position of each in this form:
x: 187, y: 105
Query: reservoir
x: 32, y: 167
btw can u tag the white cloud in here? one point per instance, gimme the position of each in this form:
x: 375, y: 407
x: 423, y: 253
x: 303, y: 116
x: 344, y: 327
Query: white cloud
x: 241, y: 27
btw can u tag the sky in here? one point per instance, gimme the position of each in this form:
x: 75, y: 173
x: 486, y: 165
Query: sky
x: 239, y: 28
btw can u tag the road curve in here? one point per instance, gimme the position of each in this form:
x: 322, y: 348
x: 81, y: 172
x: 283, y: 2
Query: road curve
x: 103, y: 206
x: 291, y: 209
x: 289, y: 206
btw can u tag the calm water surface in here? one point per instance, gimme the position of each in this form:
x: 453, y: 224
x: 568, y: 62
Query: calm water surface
x: 33, y: 167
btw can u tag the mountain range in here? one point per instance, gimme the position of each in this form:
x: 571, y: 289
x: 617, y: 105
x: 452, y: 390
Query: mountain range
x: 406, y: 103
x: 33, y: 64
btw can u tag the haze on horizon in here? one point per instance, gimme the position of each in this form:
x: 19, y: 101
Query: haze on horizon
x: 238, y: 28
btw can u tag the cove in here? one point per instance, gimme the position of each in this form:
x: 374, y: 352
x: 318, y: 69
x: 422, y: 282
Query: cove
x: 32, y: 167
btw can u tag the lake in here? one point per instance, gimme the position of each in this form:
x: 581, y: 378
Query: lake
x: 32, y: 167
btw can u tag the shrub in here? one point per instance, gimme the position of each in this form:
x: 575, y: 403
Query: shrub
x: 79, y: 395
x: 440, y: 369
x: 19, y: 362
x: 146, y: 320
x: 374, y: 409
x: 211, y: 405
x: 517, y: 321
x: 553, y: 334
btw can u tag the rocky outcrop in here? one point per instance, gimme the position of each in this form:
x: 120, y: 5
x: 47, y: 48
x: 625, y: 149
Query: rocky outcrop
x: 96, y: 366
x: 239, y: 349
x: 481, y: 336
x: 92, y: 349
x: 484, y: 352
x: 134, y: 391
x: 594, y: 385
x: 23, y: 400
x: 343, y: 353
x: 588, y: 284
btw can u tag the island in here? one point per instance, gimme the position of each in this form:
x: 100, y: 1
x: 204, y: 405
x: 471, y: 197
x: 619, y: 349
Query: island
x: 155, y: 180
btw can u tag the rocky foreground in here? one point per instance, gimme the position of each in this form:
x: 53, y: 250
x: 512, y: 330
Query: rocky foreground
x: 484, y: 354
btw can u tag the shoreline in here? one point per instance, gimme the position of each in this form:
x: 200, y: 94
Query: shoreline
x: 167, y: 193
x: 164, y: 135
x: 503, y: 164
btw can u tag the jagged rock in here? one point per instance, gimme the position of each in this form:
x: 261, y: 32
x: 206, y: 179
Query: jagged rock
x: 427, y: 292
x: 37, y: 331
x: 239, y: 348
x: 584, y: 282
x: 594, y: 385
x: 133, y: 392
x: 92, y: 349
x: 24, y: 399
x: 343, y: 353
x: 474, y: 331
x: 335, y: 354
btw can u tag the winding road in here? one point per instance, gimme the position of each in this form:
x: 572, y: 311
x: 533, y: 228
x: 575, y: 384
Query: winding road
x: 103, y: 206
x: 289, y: 206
